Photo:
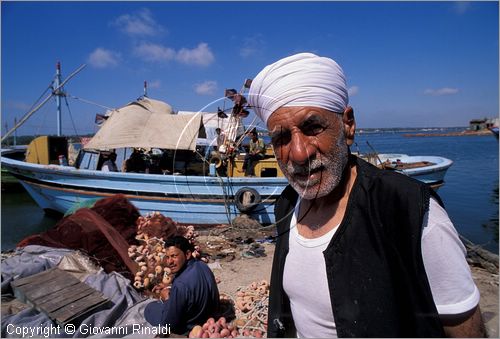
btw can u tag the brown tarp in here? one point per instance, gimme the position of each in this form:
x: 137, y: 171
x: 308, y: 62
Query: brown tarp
x: 103, y: 232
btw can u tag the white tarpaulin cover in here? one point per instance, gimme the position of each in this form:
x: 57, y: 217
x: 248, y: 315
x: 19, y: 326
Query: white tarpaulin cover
x: 147, y: 123
x: 230, y: 127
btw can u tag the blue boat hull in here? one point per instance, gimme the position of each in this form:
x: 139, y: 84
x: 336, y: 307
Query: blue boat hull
x: 186, y: 199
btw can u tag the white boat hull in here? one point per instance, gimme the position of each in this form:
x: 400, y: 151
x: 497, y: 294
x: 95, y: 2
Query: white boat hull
x: 430, y: 174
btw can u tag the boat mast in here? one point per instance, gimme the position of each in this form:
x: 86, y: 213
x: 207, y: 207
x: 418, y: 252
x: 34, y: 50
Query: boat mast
x: 58, y: 93
x: 55, y: 91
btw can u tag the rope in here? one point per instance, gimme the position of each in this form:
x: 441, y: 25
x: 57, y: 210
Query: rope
x: 71, y: 116
x: 89, y: 102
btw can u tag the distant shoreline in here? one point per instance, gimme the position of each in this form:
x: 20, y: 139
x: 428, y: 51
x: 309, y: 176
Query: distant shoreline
x: 464, y: 133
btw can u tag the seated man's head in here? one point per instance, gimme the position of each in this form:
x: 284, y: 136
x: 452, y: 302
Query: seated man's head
x: 254, y: 135
x: 179, y: 251
x: 303, y: 100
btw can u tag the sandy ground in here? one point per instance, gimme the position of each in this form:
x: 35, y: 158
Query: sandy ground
x: 241, y: 272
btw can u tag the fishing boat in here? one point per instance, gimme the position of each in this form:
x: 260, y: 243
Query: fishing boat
x: 426, y: 168
x: 13, y: 152
x: 202, y: 183
x: 494, y: 130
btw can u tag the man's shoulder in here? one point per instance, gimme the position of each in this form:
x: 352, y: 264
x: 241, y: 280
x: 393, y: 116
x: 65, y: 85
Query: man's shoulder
x: 194, y: 267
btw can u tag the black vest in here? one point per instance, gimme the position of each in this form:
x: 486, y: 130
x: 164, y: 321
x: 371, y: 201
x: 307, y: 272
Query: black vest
x: 376, y: 276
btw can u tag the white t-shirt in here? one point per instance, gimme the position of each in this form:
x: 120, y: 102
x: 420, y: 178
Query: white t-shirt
x: 306, y: 285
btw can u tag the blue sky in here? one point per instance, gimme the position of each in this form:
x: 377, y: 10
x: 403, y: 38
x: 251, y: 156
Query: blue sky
x: 408, y: 64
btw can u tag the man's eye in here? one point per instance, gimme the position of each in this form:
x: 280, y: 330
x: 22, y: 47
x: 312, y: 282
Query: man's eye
x: 313, y: 129
x: 280, y: 139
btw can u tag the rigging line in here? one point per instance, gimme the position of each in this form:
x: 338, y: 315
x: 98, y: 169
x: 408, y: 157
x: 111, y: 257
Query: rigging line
x: 71, y: 116
x: 40, y: 97
x: 90, y: 102
x: 246, y: 131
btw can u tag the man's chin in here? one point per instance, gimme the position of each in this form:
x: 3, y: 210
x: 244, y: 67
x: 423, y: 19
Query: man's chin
x: 309, y: 192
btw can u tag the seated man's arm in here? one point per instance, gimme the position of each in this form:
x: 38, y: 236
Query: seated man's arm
x: 177, y: 307
x: 466, y: 325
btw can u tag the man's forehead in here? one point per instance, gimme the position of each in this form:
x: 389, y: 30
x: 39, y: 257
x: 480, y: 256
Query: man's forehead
x: 174, y: 249
x: 295, y: 116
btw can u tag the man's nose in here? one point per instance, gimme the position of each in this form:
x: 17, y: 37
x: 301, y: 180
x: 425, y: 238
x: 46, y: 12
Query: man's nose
x: 301, y: 149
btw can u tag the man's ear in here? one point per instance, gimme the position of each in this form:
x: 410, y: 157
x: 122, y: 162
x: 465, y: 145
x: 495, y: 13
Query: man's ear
x: 349, y: 125
x: 189, y: 254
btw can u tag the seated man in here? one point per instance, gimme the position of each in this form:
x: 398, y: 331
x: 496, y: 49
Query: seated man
x: 257, y: 152
x: 194, y: 296
x: 136, y: 162
x: 110, y: 164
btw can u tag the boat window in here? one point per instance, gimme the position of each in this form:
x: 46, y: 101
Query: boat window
x: 89, y: 160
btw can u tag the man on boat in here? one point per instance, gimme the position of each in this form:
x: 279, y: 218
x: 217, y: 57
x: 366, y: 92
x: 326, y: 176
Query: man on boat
x: 136, y: 162
x: 256, y: 152
x: 361, y: 252
x: 110, y: 164
x: 194, y: 296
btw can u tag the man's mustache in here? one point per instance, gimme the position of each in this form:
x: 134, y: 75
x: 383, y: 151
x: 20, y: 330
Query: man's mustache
x: 311, y: 166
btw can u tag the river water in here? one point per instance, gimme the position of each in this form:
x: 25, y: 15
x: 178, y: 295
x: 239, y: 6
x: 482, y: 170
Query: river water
x: 470, y: 193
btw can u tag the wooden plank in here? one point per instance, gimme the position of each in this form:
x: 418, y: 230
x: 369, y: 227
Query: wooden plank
x: 77, y: 307
x: 62, y: 294
x: 59, y: 295
x: 42, y: 279
x: 82, y: 315
x: 38, y: 277
x: 39, y: 283
x: 53, y: 306
x: 55, y: 285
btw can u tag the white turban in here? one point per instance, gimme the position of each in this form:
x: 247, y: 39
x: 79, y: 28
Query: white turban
x: 303, y: 79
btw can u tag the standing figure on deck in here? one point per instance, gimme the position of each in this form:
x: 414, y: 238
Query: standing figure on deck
x: 256, y: 152
x: 361, y: 252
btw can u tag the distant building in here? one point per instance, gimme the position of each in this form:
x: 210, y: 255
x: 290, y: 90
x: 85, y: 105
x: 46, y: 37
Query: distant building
x: 482, y: 124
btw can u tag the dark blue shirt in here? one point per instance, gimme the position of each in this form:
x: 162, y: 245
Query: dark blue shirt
x: 194, y: 297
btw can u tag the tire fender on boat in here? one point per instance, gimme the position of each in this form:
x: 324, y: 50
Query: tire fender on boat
x: 246, y: 199
x: 217, y: 160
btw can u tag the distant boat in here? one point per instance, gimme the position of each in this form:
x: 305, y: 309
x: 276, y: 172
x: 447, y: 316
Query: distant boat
x: 494, y: 130
x: 428, y: 169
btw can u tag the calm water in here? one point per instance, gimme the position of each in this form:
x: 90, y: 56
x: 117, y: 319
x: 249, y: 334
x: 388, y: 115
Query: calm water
x: 470, y: 193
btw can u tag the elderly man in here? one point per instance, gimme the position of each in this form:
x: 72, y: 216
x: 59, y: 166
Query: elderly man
x: 361, y: 252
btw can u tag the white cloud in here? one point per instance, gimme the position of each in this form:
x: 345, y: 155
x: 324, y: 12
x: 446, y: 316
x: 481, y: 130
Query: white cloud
x: 252, y: 46
x: 206, y: 88
x: 441, y: 91
x: 138, y: 24
x: 103, y: 58
x: 460, y: 7
x: 201, y: 55
x: 154, y: 52
x: 353, y: 90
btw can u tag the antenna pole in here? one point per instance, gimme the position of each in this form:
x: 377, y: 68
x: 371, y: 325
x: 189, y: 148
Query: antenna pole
x: 15, y: 132
x: 58, y: 93
x: 145, y: 88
